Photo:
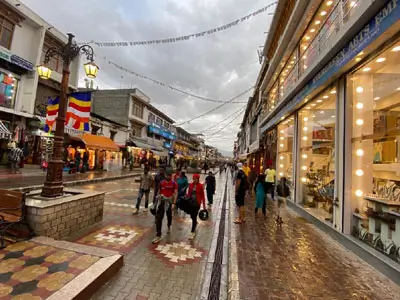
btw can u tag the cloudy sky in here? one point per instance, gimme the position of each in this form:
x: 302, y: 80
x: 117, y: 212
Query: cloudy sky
x: 218, y: 66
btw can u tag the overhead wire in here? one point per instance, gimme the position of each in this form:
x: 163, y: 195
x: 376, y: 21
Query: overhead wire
x: 215, y: 108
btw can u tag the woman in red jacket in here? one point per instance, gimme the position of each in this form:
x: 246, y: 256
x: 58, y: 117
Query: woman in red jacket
x: 196, y: 191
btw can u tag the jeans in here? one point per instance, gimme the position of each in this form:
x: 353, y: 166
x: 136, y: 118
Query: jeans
x: 160, y: 215
x: 140, y: 196
x: 210, y: 195
x: 270, y: 189
x: 15, y: 166
x: 194, y: 221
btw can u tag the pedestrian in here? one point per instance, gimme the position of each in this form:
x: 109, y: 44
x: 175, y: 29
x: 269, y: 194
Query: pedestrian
x: 78, y: 161
x: 210, y: 187
x: 270, y: 176
x: 246, y: 169
x: 252, y: 178
x: 283, y: 192
x: 196, y: 192
x: 15, y: 156
x: 160, y: 176
x: 167, y: 194
x: 259, y: 190
x: 183, y: 184
x: 146, y: 181
x: 241, y: 186
x: 85, y: 160
x: 205, y: 167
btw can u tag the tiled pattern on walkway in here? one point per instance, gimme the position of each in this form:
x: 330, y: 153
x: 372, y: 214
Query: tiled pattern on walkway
x: 299, y: 262
x: 171, y: 270
x: 33, y: 271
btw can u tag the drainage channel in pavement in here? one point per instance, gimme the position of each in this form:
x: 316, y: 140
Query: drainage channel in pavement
x: 216, y: 270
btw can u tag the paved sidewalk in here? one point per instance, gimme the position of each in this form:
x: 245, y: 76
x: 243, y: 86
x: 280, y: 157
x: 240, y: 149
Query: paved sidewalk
x: 171, y: 270
x: 298, y: 261
x: 36, y: 181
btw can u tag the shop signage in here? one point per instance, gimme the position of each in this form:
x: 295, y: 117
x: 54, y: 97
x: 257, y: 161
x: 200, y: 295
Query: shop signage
x: 389, y: 15
x: 167, y: 145
x: 163, y: 133
x: 6, y: 55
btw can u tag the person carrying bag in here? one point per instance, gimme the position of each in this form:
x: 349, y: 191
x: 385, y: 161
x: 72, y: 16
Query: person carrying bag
x: 195, y: 199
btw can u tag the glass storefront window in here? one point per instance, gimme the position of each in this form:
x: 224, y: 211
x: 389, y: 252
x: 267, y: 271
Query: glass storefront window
x: 317, y: 155
x: 284, y: 164
x: 374, y: 91
x: 8, y: 89
x: 273, y: 97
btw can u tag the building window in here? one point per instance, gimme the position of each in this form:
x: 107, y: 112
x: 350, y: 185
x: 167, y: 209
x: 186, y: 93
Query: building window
x: 112, y: 134
x: 374, y: 93
x: 317, y: 123
x: 6, y: 32
x: 138, y: 109
x: 284, y: 165
x: 159, y: 121
x: 8, y: 89
x: 166, y: 124
x: 136, y: 130
x: 253, y: 132
x: 95, y: 129
x: 151, y: 118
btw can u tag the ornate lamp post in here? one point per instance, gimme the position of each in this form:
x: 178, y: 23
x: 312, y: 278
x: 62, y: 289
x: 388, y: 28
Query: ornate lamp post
x: 53, y: 185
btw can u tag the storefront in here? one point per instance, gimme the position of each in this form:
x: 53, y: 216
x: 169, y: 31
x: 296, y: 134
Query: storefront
x: 103, y: 152
x: 338, y: 139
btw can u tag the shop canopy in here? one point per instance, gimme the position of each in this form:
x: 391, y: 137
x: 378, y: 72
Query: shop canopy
x: 160, y: 153
x: 4, y: 132
x: 99, y: 142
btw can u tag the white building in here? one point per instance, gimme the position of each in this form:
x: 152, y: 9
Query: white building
x: 24, y: 39
x: 149, y: 127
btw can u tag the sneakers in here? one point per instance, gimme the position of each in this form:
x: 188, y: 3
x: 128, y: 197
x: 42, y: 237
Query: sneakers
x: 135, y: 211
x: 145, y: 210
x: 192, y: 235
x: 169, y: 229
x: 156, y: 240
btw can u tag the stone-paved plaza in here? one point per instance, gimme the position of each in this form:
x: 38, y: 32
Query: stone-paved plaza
x: 296, y: 261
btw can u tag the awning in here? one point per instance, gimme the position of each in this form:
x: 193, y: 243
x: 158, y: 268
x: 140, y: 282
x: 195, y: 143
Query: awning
x: 4, y: 132
x: 99, y: 142
x: 161, y: 153
x: 141, y: 144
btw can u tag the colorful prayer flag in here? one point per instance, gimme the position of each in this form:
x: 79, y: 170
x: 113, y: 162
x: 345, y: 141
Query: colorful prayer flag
x: 51, y: 113
x: 78, y: 112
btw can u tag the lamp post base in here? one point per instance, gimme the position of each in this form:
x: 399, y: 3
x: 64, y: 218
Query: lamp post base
x: 53, y: 186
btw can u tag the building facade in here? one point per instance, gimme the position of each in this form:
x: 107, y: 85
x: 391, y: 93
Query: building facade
x: 149, y: 128
x: 330, y: 110
x: 24, y: 39
x: 186, y: 144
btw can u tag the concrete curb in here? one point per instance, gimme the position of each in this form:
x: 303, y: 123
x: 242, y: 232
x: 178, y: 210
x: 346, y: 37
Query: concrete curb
x: 78, y: 182
x: 233, y: 276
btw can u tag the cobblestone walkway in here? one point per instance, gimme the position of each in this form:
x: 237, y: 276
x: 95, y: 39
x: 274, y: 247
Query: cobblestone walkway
x: 300, y: 262
x: 171, y: 270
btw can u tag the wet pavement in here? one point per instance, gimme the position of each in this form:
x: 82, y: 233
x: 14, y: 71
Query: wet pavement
x: 171, y: 270
x: 299, y: 262
x: 19, y: 181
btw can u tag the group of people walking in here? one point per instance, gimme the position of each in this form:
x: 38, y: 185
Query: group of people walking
x: 172, y: 193
x: 245, y: 180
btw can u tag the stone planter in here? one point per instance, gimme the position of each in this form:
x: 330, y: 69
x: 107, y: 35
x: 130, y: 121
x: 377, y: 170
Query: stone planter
x: 59, y: 217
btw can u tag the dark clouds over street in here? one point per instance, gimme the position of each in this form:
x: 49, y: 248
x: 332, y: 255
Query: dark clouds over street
x: 218, y: 66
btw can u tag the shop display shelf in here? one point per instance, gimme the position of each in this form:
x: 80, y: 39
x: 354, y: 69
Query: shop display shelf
x: 384, y: 201
x: 360, y: 216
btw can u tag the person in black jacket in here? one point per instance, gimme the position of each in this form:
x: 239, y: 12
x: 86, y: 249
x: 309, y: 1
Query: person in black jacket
x: 210, y: 187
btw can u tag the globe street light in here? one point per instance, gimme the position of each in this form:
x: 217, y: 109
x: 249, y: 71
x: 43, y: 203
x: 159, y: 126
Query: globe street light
x: 53, y: 186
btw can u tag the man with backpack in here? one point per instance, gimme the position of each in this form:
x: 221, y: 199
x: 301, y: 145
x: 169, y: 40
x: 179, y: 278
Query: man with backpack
x: 241, y: 187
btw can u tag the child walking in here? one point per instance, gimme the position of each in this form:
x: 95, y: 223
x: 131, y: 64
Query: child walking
x: 259, y: 189
x: 283, y: 192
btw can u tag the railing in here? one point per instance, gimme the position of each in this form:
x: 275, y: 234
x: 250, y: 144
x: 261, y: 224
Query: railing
x: 337, y: 18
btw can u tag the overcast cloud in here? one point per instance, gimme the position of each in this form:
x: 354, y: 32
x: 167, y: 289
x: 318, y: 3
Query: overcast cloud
x: 218, y: 66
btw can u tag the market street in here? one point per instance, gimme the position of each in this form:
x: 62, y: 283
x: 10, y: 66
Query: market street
x: 297, y: 261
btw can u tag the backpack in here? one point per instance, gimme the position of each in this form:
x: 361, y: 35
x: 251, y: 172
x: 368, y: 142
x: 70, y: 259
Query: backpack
x: 244, y: 183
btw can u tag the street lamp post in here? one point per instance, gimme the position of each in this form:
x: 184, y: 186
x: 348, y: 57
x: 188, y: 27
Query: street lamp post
x: 53, y: 186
